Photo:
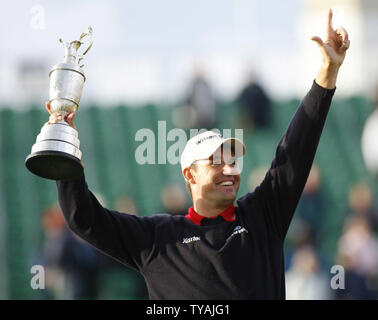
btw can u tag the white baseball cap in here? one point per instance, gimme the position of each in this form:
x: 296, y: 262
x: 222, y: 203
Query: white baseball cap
x: 203, y: 145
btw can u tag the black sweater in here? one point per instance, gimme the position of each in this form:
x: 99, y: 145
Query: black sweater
x: 242, y: 259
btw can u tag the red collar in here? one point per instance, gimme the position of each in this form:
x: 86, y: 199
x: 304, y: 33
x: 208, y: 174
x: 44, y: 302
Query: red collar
x: 228, y: 215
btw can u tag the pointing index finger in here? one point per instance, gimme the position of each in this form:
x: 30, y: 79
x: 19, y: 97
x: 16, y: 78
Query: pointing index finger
x: 329, y: 21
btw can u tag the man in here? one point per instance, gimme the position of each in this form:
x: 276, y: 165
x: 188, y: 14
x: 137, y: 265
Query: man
x: 218, y: 250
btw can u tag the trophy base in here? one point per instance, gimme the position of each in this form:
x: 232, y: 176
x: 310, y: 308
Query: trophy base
x: 54, y: 165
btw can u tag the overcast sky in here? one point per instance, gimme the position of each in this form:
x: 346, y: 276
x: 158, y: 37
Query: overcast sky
x: 145, y: 50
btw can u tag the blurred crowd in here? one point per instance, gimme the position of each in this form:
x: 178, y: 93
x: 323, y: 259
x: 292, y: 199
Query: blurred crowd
x: 199, y: 106
x: 75, y: 270
x: 308, y: 269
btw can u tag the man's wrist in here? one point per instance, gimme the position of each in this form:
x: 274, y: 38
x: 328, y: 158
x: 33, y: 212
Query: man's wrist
x: 327, y: 75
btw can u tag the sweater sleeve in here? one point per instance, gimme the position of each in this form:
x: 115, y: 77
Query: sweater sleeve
x: 125, y: 237
x: 280, y: 191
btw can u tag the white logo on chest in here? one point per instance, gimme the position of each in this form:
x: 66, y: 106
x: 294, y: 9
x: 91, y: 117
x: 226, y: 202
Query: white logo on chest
x: 237, y: 230
x: 191, y: 239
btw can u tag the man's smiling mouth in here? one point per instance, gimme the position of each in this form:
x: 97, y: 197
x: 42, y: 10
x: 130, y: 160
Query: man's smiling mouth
x: 227, y: 183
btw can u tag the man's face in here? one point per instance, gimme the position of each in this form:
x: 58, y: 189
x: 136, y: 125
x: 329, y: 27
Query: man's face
x: 216, y: 178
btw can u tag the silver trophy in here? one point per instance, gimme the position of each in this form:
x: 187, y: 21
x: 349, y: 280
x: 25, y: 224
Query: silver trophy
x: 56, y: 154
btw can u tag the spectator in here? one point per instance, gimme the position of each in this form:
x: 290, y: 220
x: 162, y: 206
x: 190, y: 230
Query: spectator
x: 126, y: 204
x: 361, y: 204
x: 174, y: 200
x: 53, y: 227
x: 299, y: 235
x: 81, y: 263
x: 256, y: 176
x: 72, y: 265
x: 312, y: 204
x: 255, y: 105
x: 135, y: 288
x: 304, y: 280
x: 199, y: 109
x: 369, y: 142
x: 358, y: 254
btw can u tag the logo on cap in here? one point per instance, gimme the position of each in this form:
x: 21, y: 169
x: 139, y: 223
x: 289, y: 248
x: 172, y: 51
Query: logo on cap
x: 208, y: 137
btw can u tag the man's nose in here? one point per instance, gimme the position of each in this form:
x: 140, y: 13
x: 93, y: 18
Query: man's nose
x: 231, y: 169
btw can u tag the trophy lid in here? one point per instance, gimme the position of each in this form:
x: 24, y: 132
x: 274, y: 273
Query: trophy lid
x: 72, y: 58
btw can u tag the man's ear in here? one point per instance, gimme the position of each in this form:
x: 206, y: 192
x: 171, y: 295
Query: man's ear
x: 188, y: 175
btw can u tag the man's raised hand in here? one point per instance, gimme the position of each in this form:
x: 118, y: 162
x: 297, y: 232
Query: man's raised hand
x: 333, y: 50
x: 335, y: 45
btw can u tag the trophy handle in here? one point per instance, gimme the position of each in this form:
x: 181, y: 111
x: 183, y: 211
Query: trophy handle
x: 83, y: 35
